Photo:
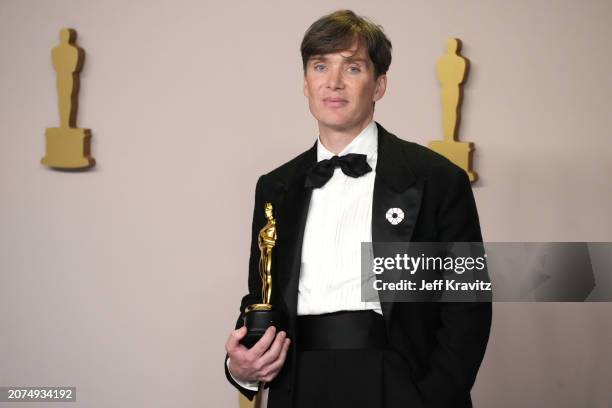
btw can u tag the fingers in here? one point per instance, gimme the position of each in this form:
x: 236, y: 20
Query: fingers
x: 233, y: 341
x: 263, y: 344
x: 263, y: 361
x: 272, y: 354
x: 270, y: 372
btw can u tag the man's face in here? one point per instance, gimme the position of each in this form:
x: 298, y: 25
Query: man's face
x: 341, y: 88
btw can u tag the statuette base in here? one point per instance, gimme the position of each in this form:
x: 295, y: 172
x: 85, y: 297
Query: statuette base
x: 257, y: 322
x: 68, y: 148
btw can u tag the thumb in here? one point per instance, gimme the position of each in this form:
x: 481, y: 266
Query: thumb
x: 241, y: 332
x: 235, y: 337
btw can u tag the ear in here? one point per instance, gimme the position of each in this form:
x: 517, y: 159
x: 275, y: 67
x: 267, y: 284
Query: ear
x: 305, y: 87
x: 381, y: 87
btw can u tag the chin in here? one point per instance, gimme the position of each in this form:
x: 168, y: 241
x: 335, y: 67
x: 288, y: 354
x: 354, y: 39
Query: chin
x: 337, y: 125
x: 334, y: 121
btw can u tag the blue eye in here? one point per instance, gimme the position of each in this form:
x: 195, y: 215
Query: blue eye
x: 319, y: 67
x: 354, y: 70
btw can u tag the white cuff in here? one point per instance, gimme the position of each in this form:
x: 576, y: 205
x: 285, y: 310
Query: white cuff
x: 249, y: 385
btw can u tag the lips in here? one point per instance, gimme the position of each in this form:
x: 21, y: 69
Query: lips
x: 335, y: 102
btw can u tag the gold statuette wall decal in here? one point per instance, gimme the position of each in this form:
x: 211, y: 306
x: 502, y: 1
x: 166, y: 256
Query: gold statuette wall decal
x: 68, y: 147
x: 452, y: 70
x: 245, y: 403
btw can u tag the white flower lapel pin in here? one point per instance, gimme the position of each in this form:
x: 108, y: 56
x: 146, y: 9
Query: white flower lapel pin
x: 395, y: 215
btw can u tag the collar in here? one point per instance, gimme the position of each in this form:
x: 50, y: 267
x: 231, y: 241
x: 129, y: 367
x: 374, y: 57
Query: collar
x: 391, y: 166
x: 366, y: 143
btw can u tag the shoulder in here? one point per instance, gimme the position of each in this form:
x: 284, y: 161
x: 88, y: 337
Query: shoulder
x: 290, y: 171
x: 422, y: 161
x: 292, y: 166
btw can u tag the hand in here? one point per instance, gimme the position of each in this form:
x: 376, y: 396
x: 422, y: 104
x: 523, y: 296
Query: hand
x: 263, y: 361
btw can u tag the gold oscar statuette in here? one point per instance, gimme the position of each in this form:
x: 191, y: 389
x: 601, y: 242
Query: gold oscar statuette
x: 258, y: 317
x: 68, y: 147
x: 452, y: 69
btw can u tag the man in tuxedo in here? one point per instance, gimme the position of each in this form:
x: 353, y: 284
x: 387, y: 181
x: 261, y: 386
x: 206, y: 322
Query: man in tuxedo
x: 336, y: 350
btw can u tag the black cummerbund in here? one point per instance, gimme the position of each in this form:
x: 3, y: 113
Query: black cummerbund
x: 346, y: 330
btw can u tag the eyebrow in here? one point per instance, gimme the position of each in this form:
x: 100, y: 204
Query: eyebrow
x: 323, y: 58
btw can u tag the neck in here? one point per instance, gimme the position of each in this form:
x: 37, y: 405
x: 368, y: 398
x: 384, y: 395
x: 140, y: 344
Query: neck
x: 336, y: 139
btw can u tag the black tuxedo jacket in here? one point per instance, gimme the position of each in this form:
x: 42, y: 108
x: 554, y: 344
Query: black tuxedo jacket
x: 438, y: 347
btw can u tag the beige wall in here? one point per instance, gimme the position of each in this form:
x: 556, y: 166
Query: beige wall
x: 125, y: 281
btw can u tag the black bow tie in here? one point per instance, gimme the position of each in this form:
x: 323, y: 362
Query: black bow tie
x: 352, y: 164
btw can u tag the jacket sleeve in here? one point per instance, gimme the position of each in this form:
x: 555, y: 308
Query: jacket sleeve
x: 464, y: 327
x: 254, y: 281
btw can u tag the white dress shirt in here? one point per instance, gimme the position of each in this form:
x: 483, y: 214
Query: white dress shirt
x: 339, y: 219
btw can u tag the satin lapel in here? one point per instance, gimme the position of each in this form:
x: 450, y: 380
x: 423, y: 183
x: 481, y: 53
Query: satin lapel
x: 395, y: 186
x: 291, y: 225
x: 291, y: 221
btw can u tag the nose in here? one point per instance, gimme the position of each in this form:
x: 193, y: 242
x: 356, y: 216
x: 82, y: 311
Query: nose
x: 334, y: 78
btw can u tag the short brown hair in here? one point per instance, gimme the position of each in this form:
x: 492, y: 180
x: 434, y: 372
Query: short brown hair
x: 337, y: 31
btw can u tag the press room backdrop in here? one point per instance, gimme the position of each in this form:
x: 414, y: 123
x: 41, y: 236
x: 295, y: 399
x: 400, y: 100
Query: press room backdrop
x: 125, y: 281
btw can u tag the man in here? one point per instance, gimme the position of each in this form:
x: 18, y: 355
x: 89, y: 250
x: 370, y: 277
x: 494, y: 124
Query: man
x: 338, y: 351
